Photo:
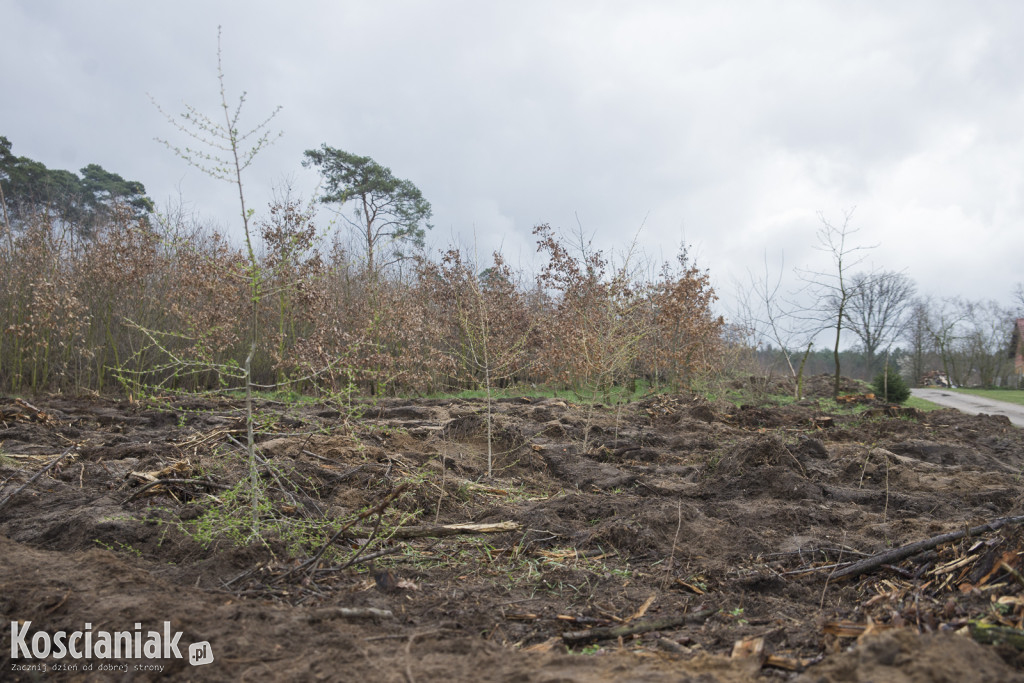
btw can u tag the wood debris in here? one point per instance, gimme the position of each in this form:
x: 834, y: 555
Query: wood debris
x: 979, y: 577
x: 23, y: 411
x: 436, y: 531
x: 596, y: 634
x: 749, y: 648
x: 853, y: 399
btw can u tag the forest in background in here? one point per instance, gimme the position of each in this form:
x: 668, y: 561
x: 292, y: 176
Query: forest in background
x: 102, y: 293
x: 159, y: 300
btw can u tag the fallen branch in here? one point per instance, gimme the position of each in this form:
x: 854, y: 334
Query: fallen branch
x: 376, y: 509
x: 433, y: 531
x: 38, y: 474
x: 903, y: 552
x: 156, y: 482
x: 328, y: 613
x: 610, y: 632
x: 40, y: 415
x: 364, y: 559
x: 991, y: 634
x: 862, y: 496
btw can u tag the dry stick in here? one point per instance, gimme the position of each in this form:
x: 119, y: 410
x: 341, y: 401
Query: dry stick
x: 320, y: 457
x: 263, y: 461
x: 903, y: 552
x: 1012, y: 572
x: 376, y: 509
x: 157, y: 482
x: 444, y: 472
x: 247, y: 572
x: 990, y: 633
x: 608, y: 632
x: 675, y: 544
x: 824, y: 589
x: 454, y: 530
x: 885, y: 513
x: 25, y: 404
x: 327, y: 613
x: 364, y: 559
x: 38, y: 474
x: 803, y: 471
x: 373, y: 534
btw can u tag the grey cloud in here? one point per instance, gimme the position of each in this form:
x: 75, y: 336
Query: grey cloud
x: 730, y: 124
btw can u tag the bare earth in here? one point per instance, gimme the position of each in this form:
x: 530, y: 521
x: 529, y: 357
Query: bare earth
x: 973, y: 405
x: 729, y: 520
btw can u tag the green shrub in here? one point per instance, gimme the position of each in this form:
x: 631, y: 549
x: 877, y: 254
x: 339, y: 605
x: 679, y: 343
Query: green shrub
x: 893, y: 390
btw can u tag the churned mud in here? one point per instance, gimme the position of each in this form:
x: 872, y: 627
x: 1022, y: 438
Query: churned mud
x: 717, y: 533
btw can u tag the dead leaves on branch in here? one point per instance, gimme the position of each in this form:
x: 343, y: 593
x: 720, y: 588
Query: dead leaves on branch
x: 82, y: 313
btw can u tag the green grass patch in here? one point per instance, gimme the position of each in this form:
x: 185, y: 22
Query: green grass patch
x: 8, y: 461
x: 832, y: 407
x: 921, y: 404
x: 1008, y: 395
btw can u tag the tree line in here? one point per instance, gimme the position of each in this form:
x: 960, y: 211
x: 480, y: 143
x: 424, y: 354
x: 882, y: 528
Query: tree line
x: 101, y: 292
x: 128, y: 298
x: 893, y: 329
x: 29, y: 189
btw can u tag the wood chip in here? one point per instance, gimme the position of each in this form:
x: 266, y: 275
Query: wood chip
x: 955, y: 564
x: 643, y: 608
x: 788, y: 663
x: 546, y: 646
x: 690, y: 587
x: 748, y: 648
x: 844, y: 629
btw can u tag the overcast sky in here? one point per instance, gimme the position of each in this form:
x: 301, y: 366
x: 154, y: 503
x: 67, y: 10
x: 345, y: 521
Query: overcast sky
x: 729, y: 125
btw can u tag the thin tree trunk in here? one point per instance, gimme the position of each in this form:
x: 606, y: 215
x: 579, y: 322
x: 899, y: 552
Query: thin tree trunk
x: 835, y: 351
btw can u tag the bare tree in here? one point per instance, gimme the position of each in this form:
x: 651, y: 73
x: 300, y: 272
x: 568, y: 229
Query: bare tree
x: 915, y: 333
x: 877, y: 310
x: 986, y: 337
x: 770, y: 316
x: 835, y: 288
x: 943, y: 323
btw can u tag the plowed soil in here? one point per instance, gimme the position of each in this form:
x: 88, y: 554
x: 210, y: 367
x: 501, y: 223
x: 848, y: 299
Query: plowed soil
x: 728, y: 522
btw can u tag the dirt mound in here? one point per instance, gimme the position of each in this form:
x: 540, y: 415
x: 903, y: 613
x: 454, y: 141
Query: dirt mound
x: 900, y: 656
x: 758, y: 451
x: 699, y: 523
x: 823, y: 386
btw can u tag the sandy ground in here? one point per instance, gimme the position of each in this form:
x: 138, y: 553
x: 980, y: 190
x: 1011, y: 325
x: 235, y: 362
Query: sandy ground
x: 973, y: 405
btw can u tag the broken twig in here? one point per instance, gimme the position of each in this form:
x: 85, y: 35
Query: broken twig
x: 376, y: 509
x: 328, y: 613
x: 606, y: 633
x: 38, y: 474
x: 454, y: 530
x: 903, y: 552
x: 991, y: 634
x: 157, y: 482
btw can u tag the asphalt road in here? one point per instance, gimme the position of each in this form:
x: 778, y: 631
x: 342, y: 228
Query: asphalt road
x: 972, y: 405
